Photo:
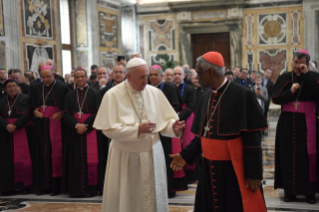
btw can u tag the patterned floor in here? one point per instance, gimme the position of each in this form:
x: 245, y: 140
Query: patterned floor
x: 183, y: 202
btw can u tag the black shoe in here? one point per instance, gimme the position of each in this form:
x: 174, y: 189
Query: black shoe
x: 7, y: 193
x: 172, y: 195
x: 42, y: 192
x: 289, y: 198
x: 55, y: 192
x: 311, y: 199
x: 26, y: 191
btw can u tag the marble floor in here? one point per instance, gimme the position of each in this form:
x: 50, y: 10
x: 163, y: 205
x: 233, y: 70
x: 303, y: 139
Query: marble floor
x: 183, y: 202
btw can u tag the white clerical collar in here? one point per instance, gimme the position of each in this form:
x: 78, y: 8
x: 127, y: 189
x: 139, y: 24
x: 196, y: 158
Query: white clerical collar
x: 84, y: 87
x: 179, y: 84
x: 158, y: 84
x: 215, y: 91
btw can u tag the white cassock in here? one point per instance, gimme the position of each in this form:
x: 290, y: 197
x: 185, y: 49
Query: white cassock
x: 135, y: 178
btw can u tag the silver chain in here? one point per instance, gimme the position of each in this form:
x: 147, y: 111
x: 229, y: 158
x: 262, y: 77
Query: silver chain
x: 77, y: 94
x: 10, y: 108
x: 139, y: 115
x: 44, y: 100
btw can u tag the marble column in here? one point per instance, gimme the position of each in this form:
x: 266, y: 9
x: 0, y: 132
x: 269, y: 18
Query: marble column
x: 11, y: 34
x: 311, y: 16
x: 128, y: 30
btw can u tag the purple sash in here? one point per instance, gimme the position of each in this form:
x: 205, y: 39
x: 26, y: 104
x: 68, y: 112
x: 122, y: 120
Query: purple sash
x: 22, y: 159
x: 91, y: 149
x: 188, y: 136
x: 308, y: 108
x: 56, y: 140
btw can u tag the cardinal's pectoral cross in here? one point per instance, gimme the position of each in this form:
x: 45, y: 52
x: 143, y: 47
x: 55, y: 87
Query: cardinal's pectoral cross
x: 296, y: 105
x: 9, y: 112
x: 206, y: 130
x: 43, y: 107
x: 80, y: 113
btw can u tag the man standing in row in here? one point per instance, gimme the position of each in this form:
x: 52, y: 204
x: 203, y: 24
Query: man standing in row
x: 17, y: 76
x: 47, y: 101
x: 169, y: 76
x: 227, y: 124
x: 269, y: 85
x: 82, y: 172
x: 102, y: 75
x: 176, y: 181
x: 16, y: 134
x: 297, y: 92
x: 119, y: 72
x: 132, y: 114
x: 187, y: 93
x: 243, y: 79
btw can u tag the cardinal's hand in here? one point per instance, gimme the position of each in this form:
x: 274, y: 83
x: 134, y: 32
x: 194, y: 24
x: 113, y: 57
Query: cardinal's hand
x: 178, y: 162
x: 254, y: 185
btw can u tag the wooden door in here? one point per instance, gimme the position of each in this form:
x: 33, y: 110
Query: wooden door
x: 202, y: 43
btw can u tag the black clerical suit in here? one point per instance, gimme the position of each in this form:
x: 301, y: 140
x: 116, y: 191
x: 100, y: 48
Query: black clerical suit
x: 76, y: 168
x: 10, y: 144
x: 24, y: 88
x: 246, y: 83
x: 269, y: 87
x: 238, y: 117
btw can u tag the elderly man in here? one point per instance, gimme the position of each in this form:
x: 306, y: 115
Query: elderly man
x: 297, y: 92
x: 119, y: 72
x: 16, y: 134
x: 169, y: 76
x: 188, y: 74
x: 3, y: 77
x: 51, y: 63
x: 133, y: 114
x: 228, y: 139
x: 17, y: 76
x: 102, y: 78
x: 175, y: 181
x: 187, y: 93
x: 47, y: 101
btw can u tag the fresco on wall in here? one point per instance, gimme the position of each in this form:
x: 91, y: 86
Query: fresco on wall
x: 82, y: 59
x: 108, y: 24
x: 37, y: 18
x: 36, y: 54
x: 108, y: 59
x: 1, y: 19
x: 274, y: 59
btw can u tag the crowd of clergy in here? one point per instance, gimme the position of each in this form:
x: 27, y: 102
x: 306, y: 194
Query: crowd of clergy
x: 48, y: 144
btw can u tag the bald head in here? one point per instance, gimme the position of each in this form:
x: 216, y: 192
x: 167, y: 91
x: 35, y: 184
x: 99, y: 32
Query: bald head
x: 179, y: 75
x: 51, y: 63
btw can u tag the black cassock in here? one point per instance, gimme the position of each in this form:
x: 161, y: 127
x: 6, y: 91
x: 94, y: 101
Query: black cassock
x: 2, y: 92
x: 291, y: 154
x: 24, y: 88
x: 75, y: 166
x: 21, y: 112
x: 237, y: 115
x: 173, y: 97
x: 42, y: 148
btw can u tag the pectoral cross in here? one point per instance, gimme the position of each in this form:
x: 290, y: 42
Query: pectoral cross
x: 296, y: 105
x: 80, y: 113
x: 43, y: 107
x: 206, y: 130
x: 9, y: 112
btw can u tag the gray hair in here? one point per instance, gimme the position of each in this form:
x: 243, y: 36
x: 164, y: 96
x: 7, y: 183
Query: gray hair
x: 160, y: 71
x: 119, y: 64
x: 206, y: 65
x: 180, y: 68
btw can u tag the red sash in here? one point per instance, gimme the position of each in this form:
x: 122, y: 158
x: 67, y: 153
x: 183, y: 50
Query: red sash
x: 56, y: 140
x: 91, y: 149
x: 308, y: 108
x: 22, y: 159
x: 233, y: 150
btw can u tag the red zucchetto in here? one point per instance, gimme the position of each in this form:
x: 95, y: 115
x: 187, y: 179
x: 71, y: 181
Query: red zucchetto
x: 214, y: 58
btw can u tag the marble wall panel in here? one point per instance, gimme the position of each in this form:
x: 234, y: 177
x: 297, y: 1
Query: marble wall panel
x: 81, y: 23
x: 1, y: 19
x: 295, y: 27
x: 161, y: 35
x: 250, y: 60
x: 164, y: 60
x: 249, y: 30
x: 82, y: 59
x: 108, y: 24
x: 274, y: 59
x: 108, y: 59
x: 37, y: 18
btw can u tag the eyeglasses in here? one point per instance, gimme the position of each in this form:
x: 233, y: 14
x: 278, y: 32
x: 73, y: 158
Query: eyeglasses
x: 118, y: 72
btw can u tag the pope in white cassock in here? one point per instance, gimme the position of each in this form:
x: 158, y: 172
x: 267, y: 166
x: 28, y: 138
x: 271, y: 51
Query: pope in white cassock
x: 132, y: 114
